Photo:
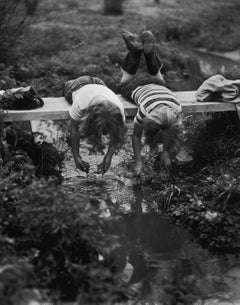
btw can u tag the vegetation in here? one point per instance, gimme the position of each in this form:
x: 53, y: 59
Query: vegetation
x: 53, y: 244
x: 55, y: 236
x: 203, y: 194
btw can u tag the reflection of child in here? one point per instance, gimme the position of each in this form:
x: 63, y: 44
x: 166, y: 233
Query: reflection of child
x: 159, y: 110
x: 95, y: 111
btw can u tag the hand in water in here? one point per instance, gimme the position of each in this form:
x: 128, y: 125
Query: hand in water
x: 82, y: 165
x: 104, y: 166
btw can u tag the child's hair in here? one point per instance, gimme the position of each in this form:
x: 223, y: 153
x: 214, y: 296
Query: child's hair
x: 101, y: 118
x: 166, y: 129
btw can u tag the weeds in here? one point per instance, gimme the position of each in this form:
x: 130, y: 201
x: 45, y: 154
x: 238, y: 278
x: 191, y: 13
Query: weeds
x: 59, y: 238
x: 213, y: 139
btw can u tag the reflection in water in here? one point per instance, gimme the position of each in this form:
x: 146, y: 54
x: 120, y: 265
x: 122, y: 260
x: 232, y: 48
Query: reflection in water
x: 150, y: 240
x: 153, y: 253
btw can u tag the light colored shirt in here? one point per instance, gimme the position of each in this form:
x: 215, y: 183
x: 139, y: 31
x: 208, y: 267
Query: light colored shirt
x: 217, y: 87
x: 149, y: 97
x: 83, y: 97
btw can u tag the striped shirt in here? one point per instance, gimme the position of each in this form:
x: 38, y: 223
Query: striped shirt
x: 151, y: 96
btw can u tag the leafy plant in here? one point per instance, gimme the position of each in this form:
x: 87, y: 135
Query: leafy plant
x: 213, y: 139
x: 60, y: 237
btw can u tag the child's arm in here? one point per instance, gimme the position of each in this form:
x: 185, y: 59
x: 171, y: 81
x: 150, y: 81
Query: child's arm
x: 136, y: 143
x: 75, y: 140
x: 104, y: 166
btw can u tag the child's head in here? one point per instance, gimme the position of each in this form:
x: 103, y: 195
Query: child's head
x: 165, y: 127
x: 103, y: 118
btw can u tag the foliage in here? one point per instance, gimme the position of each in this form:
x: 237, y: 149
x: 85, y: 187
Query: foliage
x: 203, y: 195
x: 17, y: 282
x: 205, y: 202
x: 213, y: 139
x: 177, y: 192
x: 60, y: 237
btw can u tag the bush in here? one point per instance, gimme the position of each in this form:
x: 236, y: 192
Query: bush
x: 62, y: 239
x: 213, y: 139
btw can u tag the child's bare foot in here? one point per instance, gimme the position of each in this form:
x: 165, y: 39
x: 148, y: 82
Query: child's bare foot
x: 131, y: 41
x: 147, y: 41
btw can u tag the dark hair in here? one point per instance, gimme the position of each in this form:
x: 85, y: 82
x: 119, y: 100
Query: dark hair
x: 168, y: 132
x: 101, y: 119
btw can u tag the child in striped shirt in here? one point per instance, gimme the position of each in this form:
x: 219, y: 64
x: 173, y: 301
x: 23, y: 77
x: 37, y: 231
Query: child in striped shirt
x: 159, y: 111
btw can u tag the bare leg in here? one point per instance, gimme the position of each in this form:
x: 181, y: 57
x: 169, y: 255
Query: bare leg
x: 126, y: 77
x: 159, y: 76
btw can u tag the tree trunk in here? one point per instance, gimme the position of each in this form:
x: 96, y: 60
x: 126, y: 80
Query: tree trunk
x: 31, y: 6
x: 113, y: 7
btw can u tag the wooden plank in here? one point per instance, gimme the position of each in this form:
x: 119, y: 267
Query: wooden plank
x: 190, y: 104
x: 57, y: 108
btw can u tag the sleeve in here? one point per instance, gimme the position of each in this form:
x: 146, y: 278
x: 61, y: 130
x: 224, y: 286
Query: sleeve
x: 139, y: 117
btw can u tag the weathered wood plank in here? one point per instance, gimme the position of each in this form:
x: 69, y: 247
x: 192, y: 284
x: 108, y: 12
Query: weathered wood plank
x: 57, y: 108
x: 190, y: 104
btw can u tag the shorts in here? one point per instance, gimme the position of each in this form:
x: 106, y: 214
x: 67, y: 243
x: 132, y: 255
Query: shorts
x: 75, y: 84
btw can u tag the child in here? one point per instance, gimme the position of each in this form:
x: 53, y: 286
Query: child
x: 95, y: 111
x: 159, y: 110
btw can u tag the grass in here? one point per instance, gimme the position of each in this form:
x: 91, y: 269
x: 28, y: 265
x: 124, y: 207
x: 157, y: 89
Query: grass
x: 71, y: 38
x: 68, y: 38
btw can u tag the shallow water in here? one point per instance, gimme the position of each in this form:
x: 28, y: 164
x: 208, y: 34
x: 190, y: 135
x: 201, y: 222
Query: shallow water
x: 152, y: 249
x: 218, y: 63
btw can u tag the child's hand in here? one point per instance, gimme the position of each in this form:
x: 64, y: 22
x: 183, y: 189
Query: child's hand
x: 137, y: 169
x: 82, y: 165
x: 104, y: 166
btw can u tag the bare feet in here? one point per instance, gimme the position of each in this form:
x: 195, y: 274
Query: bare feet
x: 132, y: 42
x: 147, y: 41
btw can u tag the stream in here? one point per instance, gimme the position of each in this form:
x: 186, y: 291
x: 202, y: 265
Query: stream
x: 218, y: 63
x: 152, y: 249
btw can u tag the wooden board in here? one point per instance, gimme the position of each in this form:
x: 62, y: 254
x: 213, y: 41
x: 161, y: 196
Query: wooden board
x: 57, y: 108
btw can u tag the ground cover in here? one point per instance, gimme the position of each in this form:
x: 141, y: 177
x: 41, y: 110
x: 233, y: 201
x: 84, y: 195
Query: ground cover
x: 65, y: 39
x: 202, y: 194
x: 72, y: 38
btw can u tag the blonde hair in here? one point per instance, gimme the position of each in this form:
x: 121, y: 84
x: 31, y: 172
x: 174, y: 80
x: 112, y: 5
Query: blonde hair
x: 100, y: 118
x: 164, y: 126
